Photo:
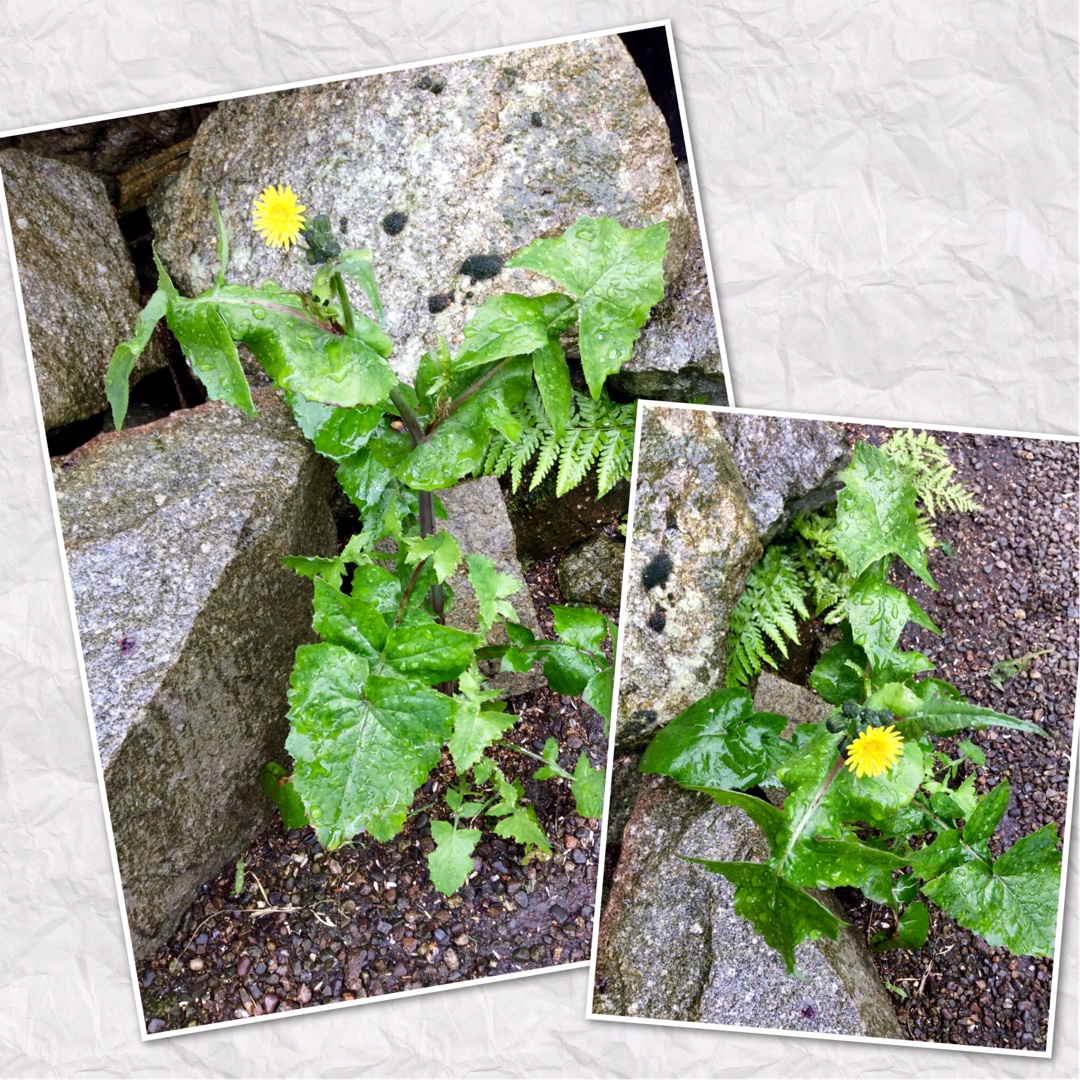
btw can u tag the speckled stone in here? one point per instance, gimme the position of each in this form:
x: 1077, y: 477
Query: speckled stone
x: 672, y: 948
x: 174, y: 534
x: 466, y: 164
x: 78, y: 283
x: 693, y: 543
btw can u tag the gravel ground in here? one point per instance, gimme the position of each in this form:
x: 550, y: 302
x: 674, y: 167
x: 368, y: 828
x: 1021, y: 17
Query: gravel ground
x: 1011, y: 588
x: 309, y: 927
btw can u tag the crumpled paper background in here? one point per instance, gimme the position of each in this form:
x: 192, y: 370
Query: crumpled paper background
x: 890, y: 192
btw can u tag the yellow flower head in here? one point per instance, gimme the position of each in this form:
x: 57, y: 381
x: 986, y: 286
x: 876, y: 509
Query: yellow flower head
x: 874, y: 751
x: 278, y: 217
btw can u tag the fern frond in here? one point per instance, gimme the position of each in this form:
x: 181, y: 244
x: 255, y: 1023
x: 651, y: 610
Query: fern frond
x: 925, y: 462
x: 599, y: 432
x: 766, y: 613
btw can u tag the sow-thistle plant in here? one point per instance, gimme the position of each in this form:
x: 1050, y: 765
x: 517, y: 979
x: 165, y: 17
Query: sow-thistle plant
x: 390, y: 691
x: 868, y: 801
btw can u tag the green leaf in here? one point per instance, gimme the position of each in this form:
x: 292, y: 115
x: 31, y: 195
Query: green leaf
x: 910, y: 932
x: 552, y: 376
x: 349, y: 621
x: 357, y: 265
x: 330, y: 570
x: 987, y: 814
x: 521, y: 825
x: 441, y: 547
x: 878, y: 614
x: 837, y: 676
x: 456, y: 446
x: 1012, y: 904
x: 568, y: 670
x: 475, y: 728
x: 278, y: 787
x: 783, y: 914
x: 935, y: 858
x: 719, y: 742
x: 201, y: 331
x: 550, y: 754
x: 128, y: 352
x: 588, y: 788
x: 337, y: 433
x: 829, y: 864
x: 599, y: 693
x: 808, y: 811
x: 580, y: 626
x: 618, y: 277
x: 451, y: 863
x: 510, y: 325
x: 946, y: 716
x: 430, y: 652
x: 767, y: 817
x: 362, y: 746
x: 876, y: 515
x: 491, y: 588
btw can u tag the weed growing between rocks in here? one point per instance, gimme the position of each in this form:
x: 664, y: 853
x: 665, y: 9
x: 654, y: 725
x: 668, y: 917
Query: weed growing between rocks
x: 390, y: 685
x: 858, y: 811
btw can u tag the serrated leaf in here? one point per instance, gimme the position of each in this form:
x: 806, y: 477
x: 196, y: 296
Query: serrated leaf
x: 599, y: 693
x: 510, y: 325
x: 441, y: 547
x: 362, y: 745
x: 1014, y: 903
x: 588, y: 788
x: 337, y: 433
x: 357, y: 265
x: 491, y: 588
x: 278, y: 787
x: 829, y: 864
x: 580, y: 626
x: 521, y: 825
x: 718, y: 742
x: 475, y: 729
x: 616, y: 274
x: 783, y: 914
x: 451, y: 863
x: 878, y: 614
x: 876, y: 515
x: 550, y: 754
x: 127, y: 353
x: 349, y: 621
x: 456, y: 446
x: 330, y: 570
x: 942, y: 854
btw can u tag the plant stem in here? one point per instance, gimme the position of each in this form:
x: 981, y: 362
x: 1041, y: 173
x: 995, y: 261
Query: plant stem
x: 346, y: 307
x: 463, y: 397
x: 557, y: 769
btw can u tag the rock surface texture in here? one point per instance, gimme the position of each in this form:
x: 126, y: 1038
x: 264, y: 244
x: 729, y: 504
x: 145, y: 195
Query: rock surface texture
x: 593, y: 573
x: 787, y: 465
x: 671, y: 947
x: 476, y: 157
x: 694, y: 542
x: 174, y: 534
x: 479, y: 523
x: 78, y: 283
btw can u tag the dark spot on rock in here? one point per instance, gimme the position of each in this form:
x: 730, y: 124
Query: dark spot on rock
x: 343, y: 225
x: 481, y: 267
x: 438, y: 302
x: 672, y: 523
x: 427, y: 82
x: 469, y: 295
x: 808, y: 1012
x: 648, y: 715
x: 508, y: 138
x: 536, y: 120
x: 658, y: 620
x: 393, y: 223
x: 657, y: 572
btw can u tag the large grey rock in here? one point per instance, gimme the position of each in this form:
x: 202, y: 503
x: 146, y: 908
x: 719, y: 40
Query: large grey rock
x: 78, y: 283
x: 483, y: 155
x: 678, y: 357
x: 593, y: 572
x: 693, y: 543
x: 174, y: 534
x: 671, y: 947
x: 478, y: 521
x: 787, y: 465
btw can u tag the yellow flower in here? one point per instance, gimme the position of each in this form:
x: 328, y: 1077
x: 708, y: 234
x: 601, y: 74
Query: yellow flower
x: 874, y: 751
x: 278, y: 218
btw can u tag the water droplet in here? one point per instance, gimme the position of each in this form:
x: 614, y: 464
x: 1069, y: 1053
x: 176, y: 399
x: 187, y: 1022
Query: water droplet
x: 258, y: 313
